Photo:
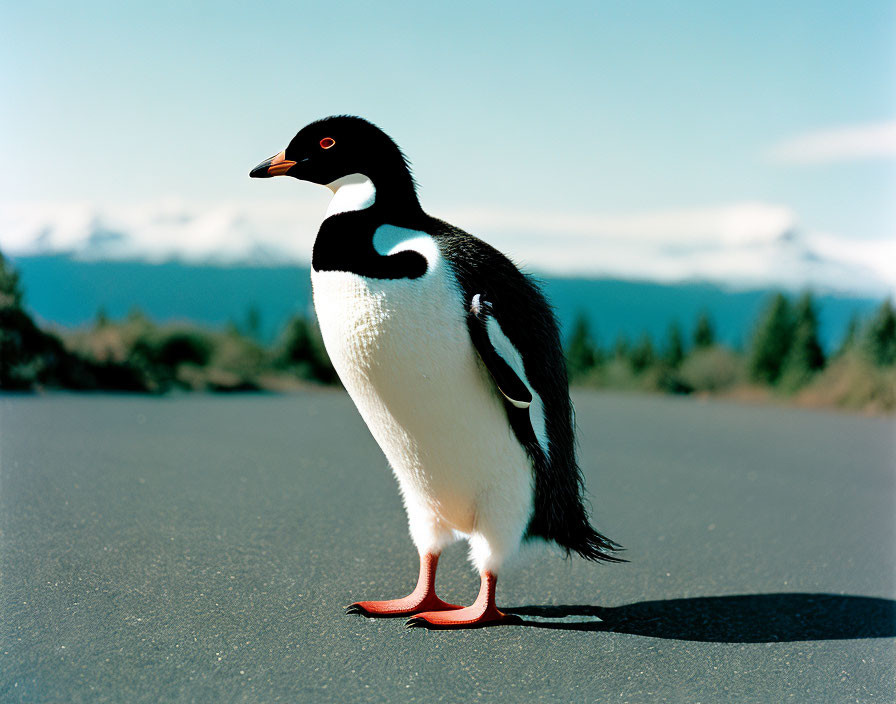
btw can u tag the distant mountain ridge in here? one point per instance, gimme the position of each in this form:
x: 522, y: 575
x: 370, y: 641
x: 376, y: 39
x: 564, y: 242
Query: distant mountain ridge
x: 751, y: 245
x: 67, y: 292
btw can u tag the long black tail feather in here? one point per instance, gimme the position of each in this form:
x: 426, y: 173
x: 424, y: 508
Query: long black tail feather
x: 593, y: 546
x: 566, y: 524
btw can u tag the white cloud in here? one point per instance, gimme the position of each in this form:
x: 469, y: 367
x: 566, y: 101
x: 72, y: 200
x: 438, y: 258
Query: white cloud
x: 746, y: 244
x: 852, y: 143
x: 159, y: 231
x: 732, y: 224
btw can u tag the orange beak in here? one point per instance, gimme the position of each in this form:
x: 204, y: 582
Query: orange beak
x: 275, y: 166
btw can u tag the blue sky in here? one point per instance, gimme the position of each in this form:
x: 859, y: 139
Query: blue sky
x: 594, y: 109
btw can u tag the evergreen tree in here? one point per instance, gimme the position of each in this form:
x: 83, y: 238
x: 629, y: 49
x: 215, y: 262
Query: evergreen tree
x: 621, y: 347
x: 673, y: 355
x: 135, y: 315
x: 10, y: 288
x: 704, y: 333
x: 642, y: 355
x: 302, y: 350
x: 253, y: 322
x: 30, y: 357
x: 805, y: 356
x: 880, y: 338
x: 102, y: 318
x: 772, y: 341
x: 850, y: 337
x: 20, y: 340
x: 298, y: 345
x: 582, y: 354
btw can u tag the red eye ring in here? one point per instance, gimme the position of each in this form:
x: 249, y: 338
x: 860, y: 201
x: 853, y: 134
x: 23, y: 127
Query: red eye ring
x: 327, y: 142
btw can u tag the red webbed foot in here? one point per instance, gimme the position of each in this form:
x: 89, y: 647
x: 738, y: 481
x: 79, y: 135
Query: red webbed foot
x: 410, y: 604
x: 482, y: 612
x: 468, y: 617
x: 423, y: 598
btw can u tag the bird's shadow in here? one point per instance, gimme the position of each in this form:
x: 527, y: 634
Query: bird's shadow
x: 744, y: 618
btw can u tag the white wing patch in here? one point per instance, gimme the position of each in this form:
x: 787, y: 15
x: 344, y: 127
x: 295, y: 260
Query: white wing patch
x: 505, y: 349
x: 390, y: 239
x: 352, y: 192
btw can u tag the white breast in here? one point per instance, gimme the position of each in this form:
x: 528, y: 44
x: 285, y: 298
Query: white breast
x: 402, y: 350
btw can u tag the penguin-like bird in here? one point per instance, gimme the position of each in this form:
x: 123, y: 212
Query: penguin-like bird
x: 453, y: 358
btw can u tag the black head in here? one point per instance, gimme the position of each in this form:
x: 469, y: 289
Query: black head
x: 338, y: 146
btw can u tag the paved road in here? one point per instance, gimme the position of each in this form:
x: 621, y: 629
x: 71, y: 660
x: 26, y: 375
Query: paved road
x: 201, y: 549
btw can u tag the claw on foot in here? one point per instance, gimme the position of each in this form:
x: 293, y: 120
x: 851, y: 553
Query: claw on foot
x: 482, y: 612
x: 400, y: 607
x: 469, y: 617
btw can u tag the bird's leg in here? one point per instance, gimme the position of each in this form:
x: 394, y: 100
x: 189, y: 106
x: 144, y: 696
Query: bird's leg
x: 481, y: 613
x: 423, y: 598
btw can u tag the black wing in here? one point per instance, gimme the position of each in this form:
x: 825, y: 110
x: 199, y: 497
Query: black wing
x: 506, y: 379
x: 527, y: 321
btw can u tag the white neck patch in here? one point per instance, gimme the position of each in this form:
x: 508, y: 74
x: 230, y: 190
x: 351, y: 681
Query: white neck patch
x: 352, y: 192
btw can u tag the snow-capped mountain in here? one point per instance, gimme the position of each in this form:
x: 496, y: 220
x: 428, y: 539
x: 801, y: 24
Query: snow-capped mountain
x: 741, y: 245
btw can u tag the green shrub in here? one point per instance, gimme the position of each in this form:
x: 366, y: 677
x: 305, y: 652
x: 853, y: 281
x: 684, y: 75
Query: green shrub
x: 183, y: 347
x: 618, y: 374
x: 31, y: 358
x: 711, y: 369
x: 621, y: 347
x: 852, y: 381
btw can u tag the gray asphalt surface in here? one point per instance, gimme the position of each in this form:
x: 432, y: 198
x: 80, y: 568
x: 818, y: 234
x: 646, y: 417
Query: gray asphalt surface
x: 201, y: 549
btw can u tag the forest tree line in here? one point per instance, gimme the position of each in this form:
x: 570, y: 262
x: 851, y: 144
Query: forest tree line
x: 136, y: 354
x: 783, y: 356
